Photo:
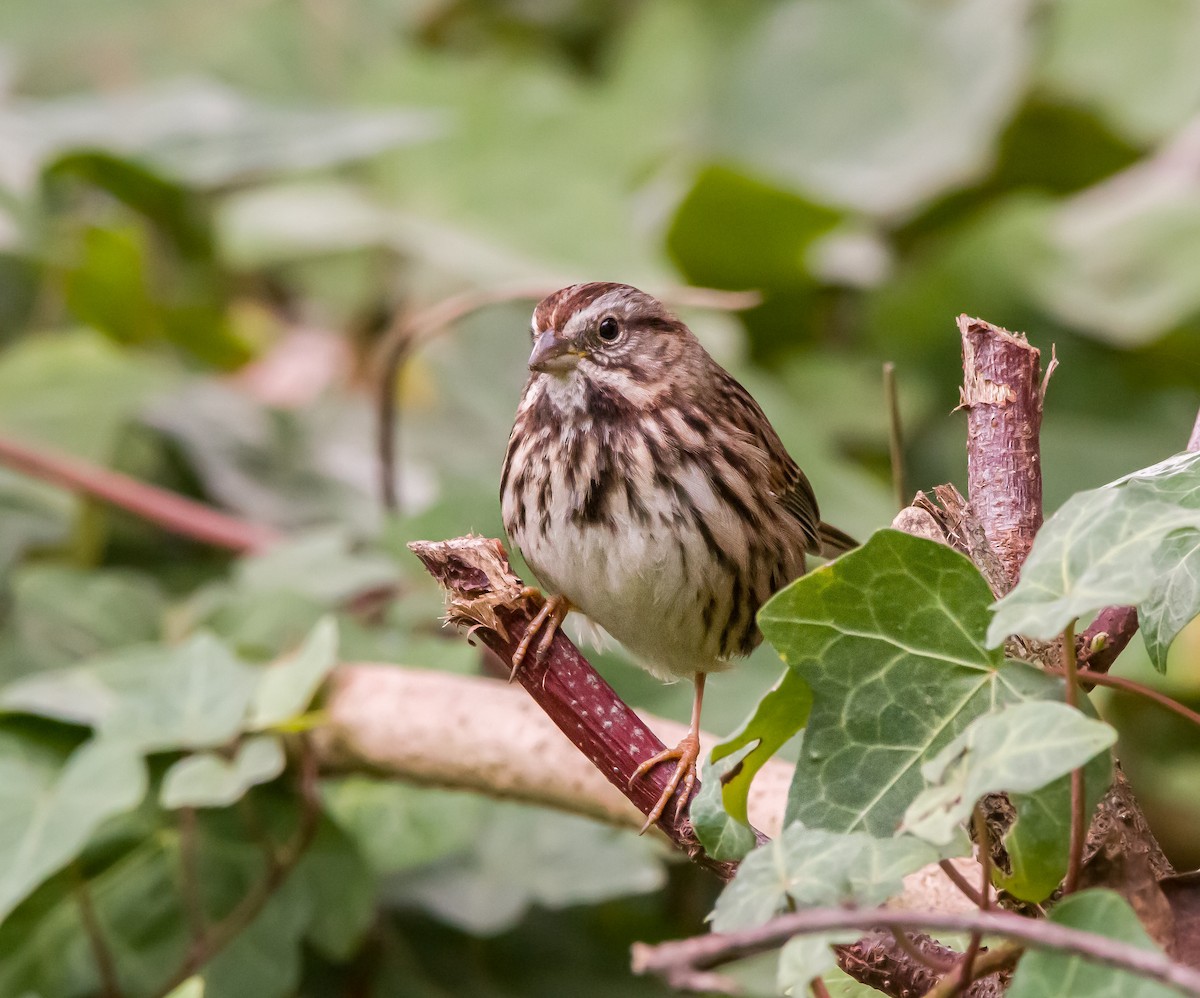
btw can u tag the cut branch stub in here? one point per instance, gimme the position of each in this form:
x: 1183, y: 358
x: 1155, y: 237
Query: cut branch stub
x: 484, y: 595
x: 1002, y: 393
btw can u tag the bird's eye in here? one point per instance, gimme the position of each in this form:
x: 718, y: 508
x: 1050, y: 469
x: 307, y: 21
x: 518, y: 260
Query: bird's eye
x: 609, y: 330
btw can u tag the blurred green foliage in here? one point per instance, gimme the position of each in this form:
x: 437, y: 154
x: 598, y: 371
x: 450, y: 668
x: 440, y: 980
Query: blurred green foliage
x: 209, y: 215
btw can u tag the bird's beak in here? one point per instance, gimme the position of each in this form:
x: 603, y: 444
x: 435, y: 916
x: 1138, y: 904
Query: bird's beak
x: 552, y: 352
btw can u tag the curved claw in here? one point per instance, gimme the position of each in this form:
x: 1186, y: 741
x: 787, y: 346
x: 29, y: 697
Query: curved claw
x: 687, y: 752
x: 552, y: 613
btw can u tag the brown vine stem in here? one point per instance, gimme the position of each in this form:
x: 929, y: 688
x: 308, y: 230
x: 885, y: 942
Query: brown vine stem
x: 106, y: 967
x: 891, y: 398
x: 1079, y: 818
x: 166, y: 509
x: 686, y: 956
x: 961, y: 882
x: 1134, y: 688
x: 279, y: 867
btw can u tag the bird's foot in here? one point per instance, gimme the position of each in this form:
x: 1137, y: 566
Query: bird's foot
x: 687, y: 752
x: 547, y: 620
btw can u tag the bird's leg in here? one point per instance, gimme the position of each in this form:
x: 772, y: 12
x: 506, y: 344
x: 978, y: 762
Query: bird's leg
x: 686, y: 753
x: 547, y: 621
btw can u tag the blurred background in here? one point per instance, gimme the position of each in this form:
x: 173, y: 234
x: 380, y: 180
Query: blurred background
x: 214, y: 216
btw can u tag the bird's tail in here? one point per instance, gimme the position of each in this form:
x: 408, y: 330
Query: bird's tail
x: 831, y: 542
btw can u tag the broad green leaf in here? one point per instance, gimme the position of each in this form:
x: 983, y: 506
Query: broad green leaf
x: 74, y: 392
x: 64, y: 614
x: 206, y: 134
x: 195, y: 695
x: 847, y: 133
x: 1042, y: 973
x: 1146, y: 85
x: 1174, y: 599
x: 398, y: 827
x: 287, y: 686
x: 1019, y: 749
x: 808, y: 867
x: 1104, y: 547
x: 1121, y: 263
x: 804, y: 957
x: 719, y: 812
x: 889, y: 638
x: 193, y: 987
x: 767, y: 232
x: 327, y: 899
x: 207, y: 779
x: 1038, y: 842
x: 722, y: 835
x: 48, y: 813
x: 525, y: 856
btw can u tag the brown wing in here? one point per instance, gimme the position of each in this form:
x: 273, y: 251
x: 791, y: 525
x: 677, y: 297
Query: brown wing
x: 789, y: 484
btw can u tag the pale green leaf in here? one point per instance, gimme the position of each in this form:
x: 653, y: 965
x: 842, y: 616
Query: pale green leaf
x: 1019, y: 749
x: 1041, y: 974
x: 847, y: 133
x: 809, y: 867
x: 47, y: 814
x: 723, y: 836
x: 193, y: 987
x: 195, y: 695
x: 287, y: 686
x: 1103, y: 548
x: 207, y: 779
x: 804, y: 957
x: 1175, y: 597
x: 889, y: 638
x: 525, y: 856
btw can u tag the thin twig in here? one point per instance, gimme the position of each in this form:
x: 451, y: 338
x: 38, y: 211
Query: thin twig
x: 1134, y: 688
x: 966, y: 969
x: 166, y: 509
x: 715, y: 949
x: 961, y: 882
x: 106, y: 967
x: 1078, y: 804
x: 190, y: 876
x: 932, y: 961
x: 278, y: 869
x: 891, y: 399
x: 817, y: 986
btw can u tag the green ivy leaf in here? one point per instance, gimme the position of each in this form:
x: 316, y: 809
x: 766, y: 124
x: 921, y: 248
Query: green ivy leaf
x: 1019, y: 749
x: 804, y: 957
x: 809, y: 867
x: 889, y: 638
x: 1106, y: 546
x: 722, y: 835
x: 1175, y: 597
x: 192, y: 696
x: 206, y: 779
x: 287, y: 685
x: 779, y: 715
x: 1065, y: 976
x: 49, y: 808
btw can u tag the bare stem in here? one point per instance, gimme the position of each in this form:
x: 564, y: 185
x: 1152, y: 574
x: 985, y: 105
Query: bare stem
x: 190, y: 876
x: 961, y: 882
x: 106, y: 967
x: 715, y: 949
x: 278, y: 868
x: 1078, y: 804
x: 1134, y: 688
x: 166, y: 509
x: 891, y: 399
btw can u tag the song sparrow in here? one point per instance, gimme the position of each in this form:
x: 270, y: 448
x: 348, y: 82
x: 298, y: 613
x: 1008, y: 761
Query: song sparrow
x: 647, y: 490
